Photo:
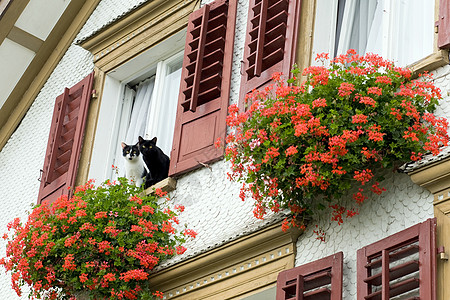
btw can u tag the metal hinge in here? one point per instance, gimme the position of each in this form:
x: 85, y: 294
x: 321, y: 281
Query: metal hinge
x: 94, y: 94
x: 441, y: 253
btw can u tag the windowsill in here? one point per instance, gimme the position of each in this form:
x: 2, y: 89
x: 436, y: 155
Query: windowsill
x: 430, y: 63
x: 167, y: 185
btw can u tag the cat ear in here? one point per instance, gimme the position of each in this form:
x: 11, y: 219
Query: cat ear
x: 140, y: 139
x: 123, y: 145
x: 154, y: 140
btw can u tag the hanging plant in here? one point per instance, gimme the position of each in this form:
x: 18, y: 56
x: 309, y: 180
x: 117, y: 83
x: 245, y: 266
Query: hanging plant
x: 302, y: 146
x: 102, y: 242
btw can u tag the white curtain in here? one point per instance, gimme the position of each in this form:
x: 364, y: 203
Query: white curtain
x: 357, y: 22
x: 399, y: 30
x: 163, y: 113
x: 411, y: 30
x: 140, y: 110
x: 134, y: 117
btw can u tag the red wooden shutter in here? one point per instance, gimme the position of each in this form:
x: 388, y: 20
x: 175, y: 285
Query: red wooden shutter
x: 205, y: 86
x: 271, y: 41
x: 444, y: 24
x: 318, y: 280
x: 401, y: 264
x: 65, y: 140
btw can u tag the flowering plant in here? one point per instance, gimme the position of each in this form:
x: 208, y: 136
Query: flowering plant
x: 302, y: 146
x: 104, y: 240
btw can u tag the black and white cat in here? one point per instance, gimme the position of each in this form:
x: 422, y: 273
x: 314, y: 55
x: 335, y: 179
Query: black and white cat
x: 134, y: 165
x: 155, y: 159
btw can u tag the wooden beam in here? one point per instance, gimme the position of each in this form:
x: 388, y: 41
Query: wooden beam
x: 9, y: 15
x: 25, y: 39
x: 4, y: 6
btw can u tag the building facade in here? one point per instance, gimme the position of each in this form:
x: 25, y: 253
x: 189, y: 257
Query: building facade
x: 193, y: 59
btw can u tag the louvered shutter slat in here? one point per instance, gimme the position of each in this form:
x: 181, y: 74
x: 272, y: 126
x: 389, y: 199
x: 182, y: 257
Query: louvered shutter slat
x: 199, y: 60
x: 396, y: 289
x: 260, y: 40
x: 65, y: 140
x: 205, y: 87
x: 396, y: 272
x: 55, y: 134
x: 319, y: 294
x: 271, y: 41
x: 317, y: 280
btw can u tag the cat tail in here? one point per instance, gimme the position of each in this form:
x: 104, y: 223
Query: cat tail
x: 149, y: 181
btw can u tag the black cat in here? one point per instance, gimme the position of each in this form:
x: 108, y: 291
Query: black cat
x: 155, y: 159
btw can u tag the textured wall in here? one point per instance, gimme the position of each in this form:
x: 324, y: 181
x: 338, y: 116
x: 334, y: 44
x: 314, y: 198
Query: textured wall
x: 213, y: 207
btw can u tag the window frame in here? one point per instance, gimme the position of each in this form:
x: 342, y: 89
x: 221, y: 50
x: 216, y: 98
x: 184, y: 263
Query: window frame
x: 112, y: 46
x: 130, y: 38
x: 112, y: 118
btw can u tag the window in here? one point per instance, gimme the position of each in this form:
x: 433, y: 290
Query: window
x: 140, y: 100
x: 181, y: 99
x: 149, y: 105
x: 403, y: 264
x: 65, y: 140
x: 402, y: 31
x: 320, y: 279
x: 270, y: 44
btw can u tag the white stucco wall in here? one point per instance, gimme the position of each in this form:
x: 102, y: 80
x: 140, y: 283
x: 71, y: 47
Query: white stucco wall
x: 213, y: 207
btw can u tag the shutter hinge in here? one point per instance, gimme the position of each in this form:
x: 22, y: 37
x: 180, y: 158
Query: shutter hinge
x: 442, y: 254
x: 94, y: 94
x: 40, y: 175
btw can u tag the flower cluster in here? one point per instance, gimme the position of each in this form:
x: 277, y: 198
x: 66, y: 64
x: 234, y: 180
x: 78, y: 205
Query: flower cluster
x: 103, y: 239
x: 307, y: 144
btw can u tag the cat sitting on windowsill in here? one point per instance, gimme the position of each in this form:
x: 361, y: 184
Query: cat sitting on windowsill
x: 145, y: 162
x: 156, y: 161
x: 135, y: 170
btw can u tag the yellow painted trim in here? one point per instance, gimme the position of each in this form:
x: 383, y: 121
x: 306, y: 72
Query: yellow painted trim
x: 233, y: 270
x: 434, y: 177
x: 305, y: 34
x: 42, y: 66
x: 9, y: 16
x: 431, y: 62
x: 443, y: 266
x: 167, y: 185
x: 91, y: 124
x: 138, y: 32
x: 25, y: 39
